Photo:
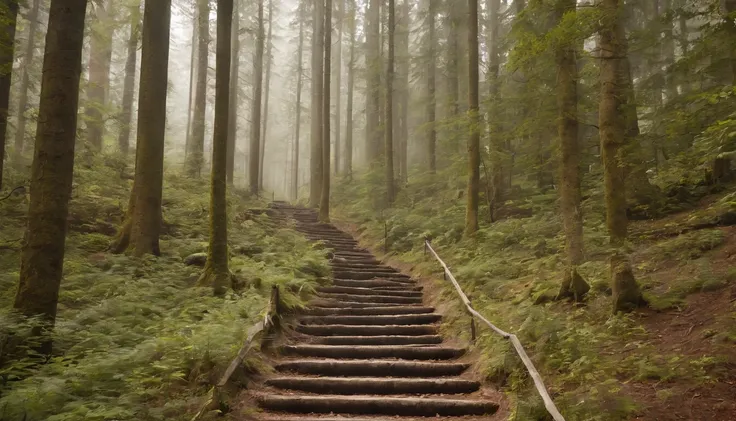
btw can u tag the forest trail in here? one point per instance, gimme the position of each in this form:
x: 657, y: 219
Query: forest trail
x: 368, y: 347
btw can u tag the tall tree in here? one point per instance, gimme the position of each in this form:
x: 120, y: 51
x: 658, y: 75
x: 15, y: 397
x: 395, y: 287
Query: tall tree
x: 8, y: 17
x: 471, y: 215
x: 266, y: 94
x: 431, y: 98
x: 42, y: 257
x: 142, y: 225
x: 216, y: 271
x: 348, y: 165
x: 192, y: 79
x: 404, y: 65
x: 298, y: 117
x: 28, y: 58
x: 614, y: 68
x: 338, y: 84
x: 389, y: 119
x: 324, y: 207
x: 100, y: 59
x: 573, y: 285
x: 315, y: 155
x: 195, y: 155
x: 232, y: 124
x: 129, y: 81
x: 255, y: 120
x: 494, y: 66
x: 374, y: 144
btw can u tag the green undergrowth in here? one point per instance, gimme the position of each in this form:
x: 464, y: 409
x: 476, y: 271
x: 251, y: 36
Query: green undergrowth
x: 511, y: 270
x: 135, y: 338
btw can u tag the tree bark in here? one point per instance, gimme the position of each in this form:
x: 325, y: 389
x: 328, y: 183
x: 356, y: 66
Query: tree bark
x: 453, y: 59
x: 373, y: 81
x: 195, y: 156
x: 192, y: 77
x: 626, y: 293
x: 298, y: 117
x: 471, y: 215
x: 216, y: 271
x: 404, y: 66
x: 324, y: 207
x: 431, y: 99
x: 338, y: 85
x: 389, y: 148
x: 42, y: 256
x: 129, y: 81
x: 573, y: 285
x: 315, y: 155
x: 348, y: 166
x: 232, y: 124
x: 100, y: 59
x: 269, y: 60
x: 8, y: 14
x: 255, y: 120
x: 28, y: 59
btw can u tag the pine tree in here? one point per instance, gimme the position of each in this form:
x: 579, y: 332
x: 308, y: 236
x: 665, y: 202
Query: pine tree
x: 471, y: 215
x: 298, y: 116
x: 348, y: 164
x: 195, y: 154
x: 129, y: 82
x: 8, y: 16
x: 431, y: 98
x: 389, y: 122
x: 28, y: 59
x: 100, y: 58
x: 232, y: 131
x: 324, y: 207
x: 315, y: 155
x: 255, y: 120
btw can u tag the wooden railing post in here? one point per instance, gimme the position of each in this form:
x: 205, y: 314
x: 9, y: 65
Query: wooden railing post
x: 472, y: 321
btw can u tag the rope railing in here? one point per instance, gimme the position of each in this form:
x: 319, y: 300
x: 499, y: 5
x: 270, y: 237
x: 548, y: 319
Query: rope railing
x: 538, y: 383
x: 269, y: 320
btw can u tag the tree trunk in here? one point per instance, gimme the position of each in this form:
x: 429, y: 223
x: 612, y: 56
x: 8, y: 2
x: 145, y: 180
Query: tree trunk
x: 573, y: 285
x: 404, y: 92
x: 348, y: 166
x: 389, y: 148
x: 142, y: 226
x: 315, y: 155
x: 42, y: 257
x: 129, y: 81
x: 100, y: 58
x: 338, y: 85
x: 216, y: 272
x: 195, y: 156
x: 192, y: 78
x: 232, y: 123
x: 626, y: 293
x: 431, y: 99
x: 255, y: 120
x: 496, y: 143
x: 373, y: 81
x: 453, y: 59
x: 298, y: 118
x: 269, y: 60
x: 8, y: 16
x: 28, y: 59
x: 471, y: 215
x: 324, y: 207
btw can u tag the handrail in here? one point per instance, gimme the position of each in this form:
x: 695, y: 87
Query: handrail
x: 538, y: 383
x: 268, y: 321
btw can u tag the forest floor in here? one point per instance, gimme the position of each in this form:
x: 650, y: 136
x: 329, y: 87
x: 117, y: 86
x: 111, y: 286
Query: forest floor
x: 675, y: 360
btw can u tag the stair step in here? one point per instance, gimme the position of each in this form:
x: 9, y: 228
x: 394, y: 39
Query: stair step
x: 374, y: 385
x: 372, y: 298
x: 367, y: 351
x: 380, y: 340
x: 374, y: 283
x: 366, y: 330
x: 379, y: 405
x: 372, y: 368
x: 368, y: 291
x: 331, y: 303
x: 351, y: 274
x: 366, y: 311
x: 398, y: 319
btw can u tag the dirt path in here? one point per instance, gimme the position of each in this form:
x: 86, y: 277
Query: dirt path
x: 368, y: 348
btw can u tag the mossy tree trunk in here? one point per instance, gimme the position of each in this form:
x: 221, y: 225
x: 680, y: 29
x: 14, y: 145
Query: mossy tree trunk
x: 232, y: 124
x: 573, y: 285
x: 195, y: 155
x: 28, y: 59
x: 389, y: 107
x: 266, y: 93
x: 626, y: 292
x: 315, y: 141
x: 471, y: 215
x: 324, y: 206
x: 129, y: 81
x: 431, y: 81
x: 348, y: 165
x: 142, y: 226
x: 42, y: 257
x: 255, y: 120
x: 216, y: 270
x: 298, y: 111
x: 100, y: 59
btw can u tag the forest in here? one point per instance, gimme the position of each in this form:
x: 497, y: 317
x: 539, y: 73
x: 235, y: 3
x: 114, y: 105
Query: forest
x: 570, y: 160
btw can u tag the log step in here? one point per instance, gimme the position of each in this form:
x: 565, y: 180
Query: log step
x: 366, y: 311
x: 365, y: 352
x: 345, y: 274
x: 398, y: 319
x: 366, y: 330
x: 349, y: 304
x: 376, y: 405
x: 368, y: 291
x: 374, y: 283
x: 372, y: 368
x: 372, y: 298
x: 374, y: 385
x: 380, y: 340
